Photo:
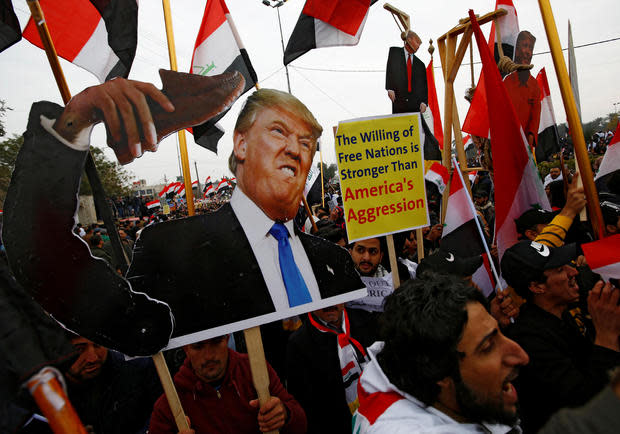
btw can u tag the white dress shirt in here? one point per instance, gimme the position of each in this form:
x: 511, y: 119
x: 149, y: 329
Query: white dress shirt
x: 256, y: 226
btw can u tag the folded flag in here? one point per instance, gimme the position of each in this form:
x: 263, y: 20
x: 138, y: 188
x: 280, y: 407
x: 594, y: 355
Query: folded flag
x: 327, y: 24
x: 477, y: 120
x: 218, y: 49
x: 548, y: 143
x: 518, y: 186
x: 433, y: 105
x: 98, y: 35
x: 603, y: 256
x: 10, y: 32
x: 438, y: 175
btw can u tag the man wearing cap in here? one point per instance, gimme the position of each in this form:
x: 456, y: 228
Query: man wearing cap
x: 548, y: 228
x: 566, y: 368
x: 611, y: 215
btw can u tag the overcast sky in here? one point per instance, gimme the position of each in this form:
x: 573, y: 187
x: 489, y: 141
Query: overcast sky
x: 335, y: 83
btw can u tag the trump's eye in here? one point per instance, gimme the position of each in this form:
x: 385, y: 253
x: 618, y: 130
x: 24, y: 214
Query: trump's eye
x: 277, y: 130
x: 306, y: 144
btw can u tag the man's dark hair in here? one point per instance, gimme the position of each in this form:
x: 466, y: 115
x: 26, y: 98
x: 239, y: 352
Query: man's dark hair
x: 95, y: 240
x: 382, y: 244
x: 422, y: 325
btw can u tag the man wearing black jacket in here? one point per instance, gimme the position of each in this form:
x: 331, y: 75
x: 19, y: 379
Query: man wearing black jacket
x: 566, y: 369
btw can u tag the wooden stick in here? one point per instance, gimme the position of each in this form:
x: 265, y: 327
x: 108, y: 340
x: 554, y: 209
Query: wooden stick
x: 463, y: 23
x: 420, y: 243
x: 310, y: 215
x: 393, y: 261
x: 258, y: 364
x: 187, y: 176
x: 171, y: 393
x: 572, y: 116
x: 91, y: 170
x: 322, y: 181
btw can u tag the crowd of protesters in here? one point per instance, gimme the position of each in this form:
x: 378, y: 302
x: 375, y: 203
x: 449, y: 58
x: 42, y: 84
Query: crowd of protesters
x: 435, y: 354
x: 555, y: 321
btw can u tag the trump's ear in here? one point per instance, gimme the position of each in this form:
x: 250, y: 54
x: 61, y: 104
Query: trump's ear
x: 240, y: 146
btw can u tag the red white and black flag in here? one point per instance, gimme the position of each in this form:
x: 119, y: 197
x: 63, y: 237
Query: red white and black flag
x: 548, y: 143
x: 603, y: 256
x: 438, y: 175
x: 460, y: 233
x: 433, y: 105
x: 153, y: 204
x: 327, y: 23
x: 98, y: 35
x: 10, y: 32
x: 611, y: 159
x: 218, y: 49
x: 477, y: 120
x: 517, y: 184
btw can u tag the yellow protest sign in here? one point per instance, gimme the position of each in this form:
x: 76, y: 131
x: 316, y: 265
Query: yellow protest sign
x: 381, y: 175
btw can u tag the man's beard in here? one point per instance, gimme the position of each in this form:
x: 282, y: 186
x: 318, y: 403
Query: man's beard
x: 474, y: 409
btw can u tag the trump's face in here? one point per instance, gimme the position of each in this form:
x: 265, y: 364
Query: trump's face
x: 275, y: 155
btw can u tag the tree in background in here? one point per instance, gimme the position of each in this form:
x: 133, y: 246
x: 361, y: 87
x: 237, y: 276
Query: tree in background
x: 115, y: 178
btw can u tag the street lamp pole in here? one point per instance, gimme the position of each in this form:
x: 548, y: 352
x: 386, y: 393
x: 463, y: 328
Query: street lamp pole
x: 277, y: 5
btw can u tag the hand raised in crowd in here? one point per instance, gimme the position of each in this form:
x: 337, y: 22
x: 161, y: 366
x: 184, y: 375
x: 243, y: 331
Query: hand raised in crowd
x: 272, y: 415
x: 122, y: 105
x: 575, y: 199
x: 503, y: 308
x: 605, y: 312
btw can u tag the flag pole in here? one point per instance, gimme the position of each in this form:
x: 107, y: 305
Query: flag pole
x: 572, y: 116
x: 322, y: 182
x: 90, y: 168
x: 187, y: 177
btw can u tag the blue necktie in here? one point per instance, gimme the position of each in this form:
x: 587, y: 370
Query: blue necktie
x: 296, y: 288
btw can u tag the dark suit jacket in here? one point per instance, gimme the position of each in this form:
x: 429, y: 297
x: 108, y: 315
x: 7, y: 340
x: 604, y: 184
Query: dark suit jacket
x: 205, y: 269
x: 202, y: 266
x: 396, y: 80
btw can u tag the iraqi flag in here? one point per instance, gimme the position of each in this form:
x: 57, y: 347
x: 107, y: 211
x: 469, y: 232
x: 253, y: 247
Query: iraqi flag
x: 153, y: 204
x: 433, y: 105
x: 167, y: 189
x: 548, y: 143
x: 223, y: 184
x: 603, y: 256
x: 218, y: 49
x: 10, y: 31
x: 210, y: 190
x: 517, y: 184
x: 327, y: 24
x: 611, y: 159
x: 438, y: 175
x: 477, y: 120
x: 97, y: 35
x: 460, y: 233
